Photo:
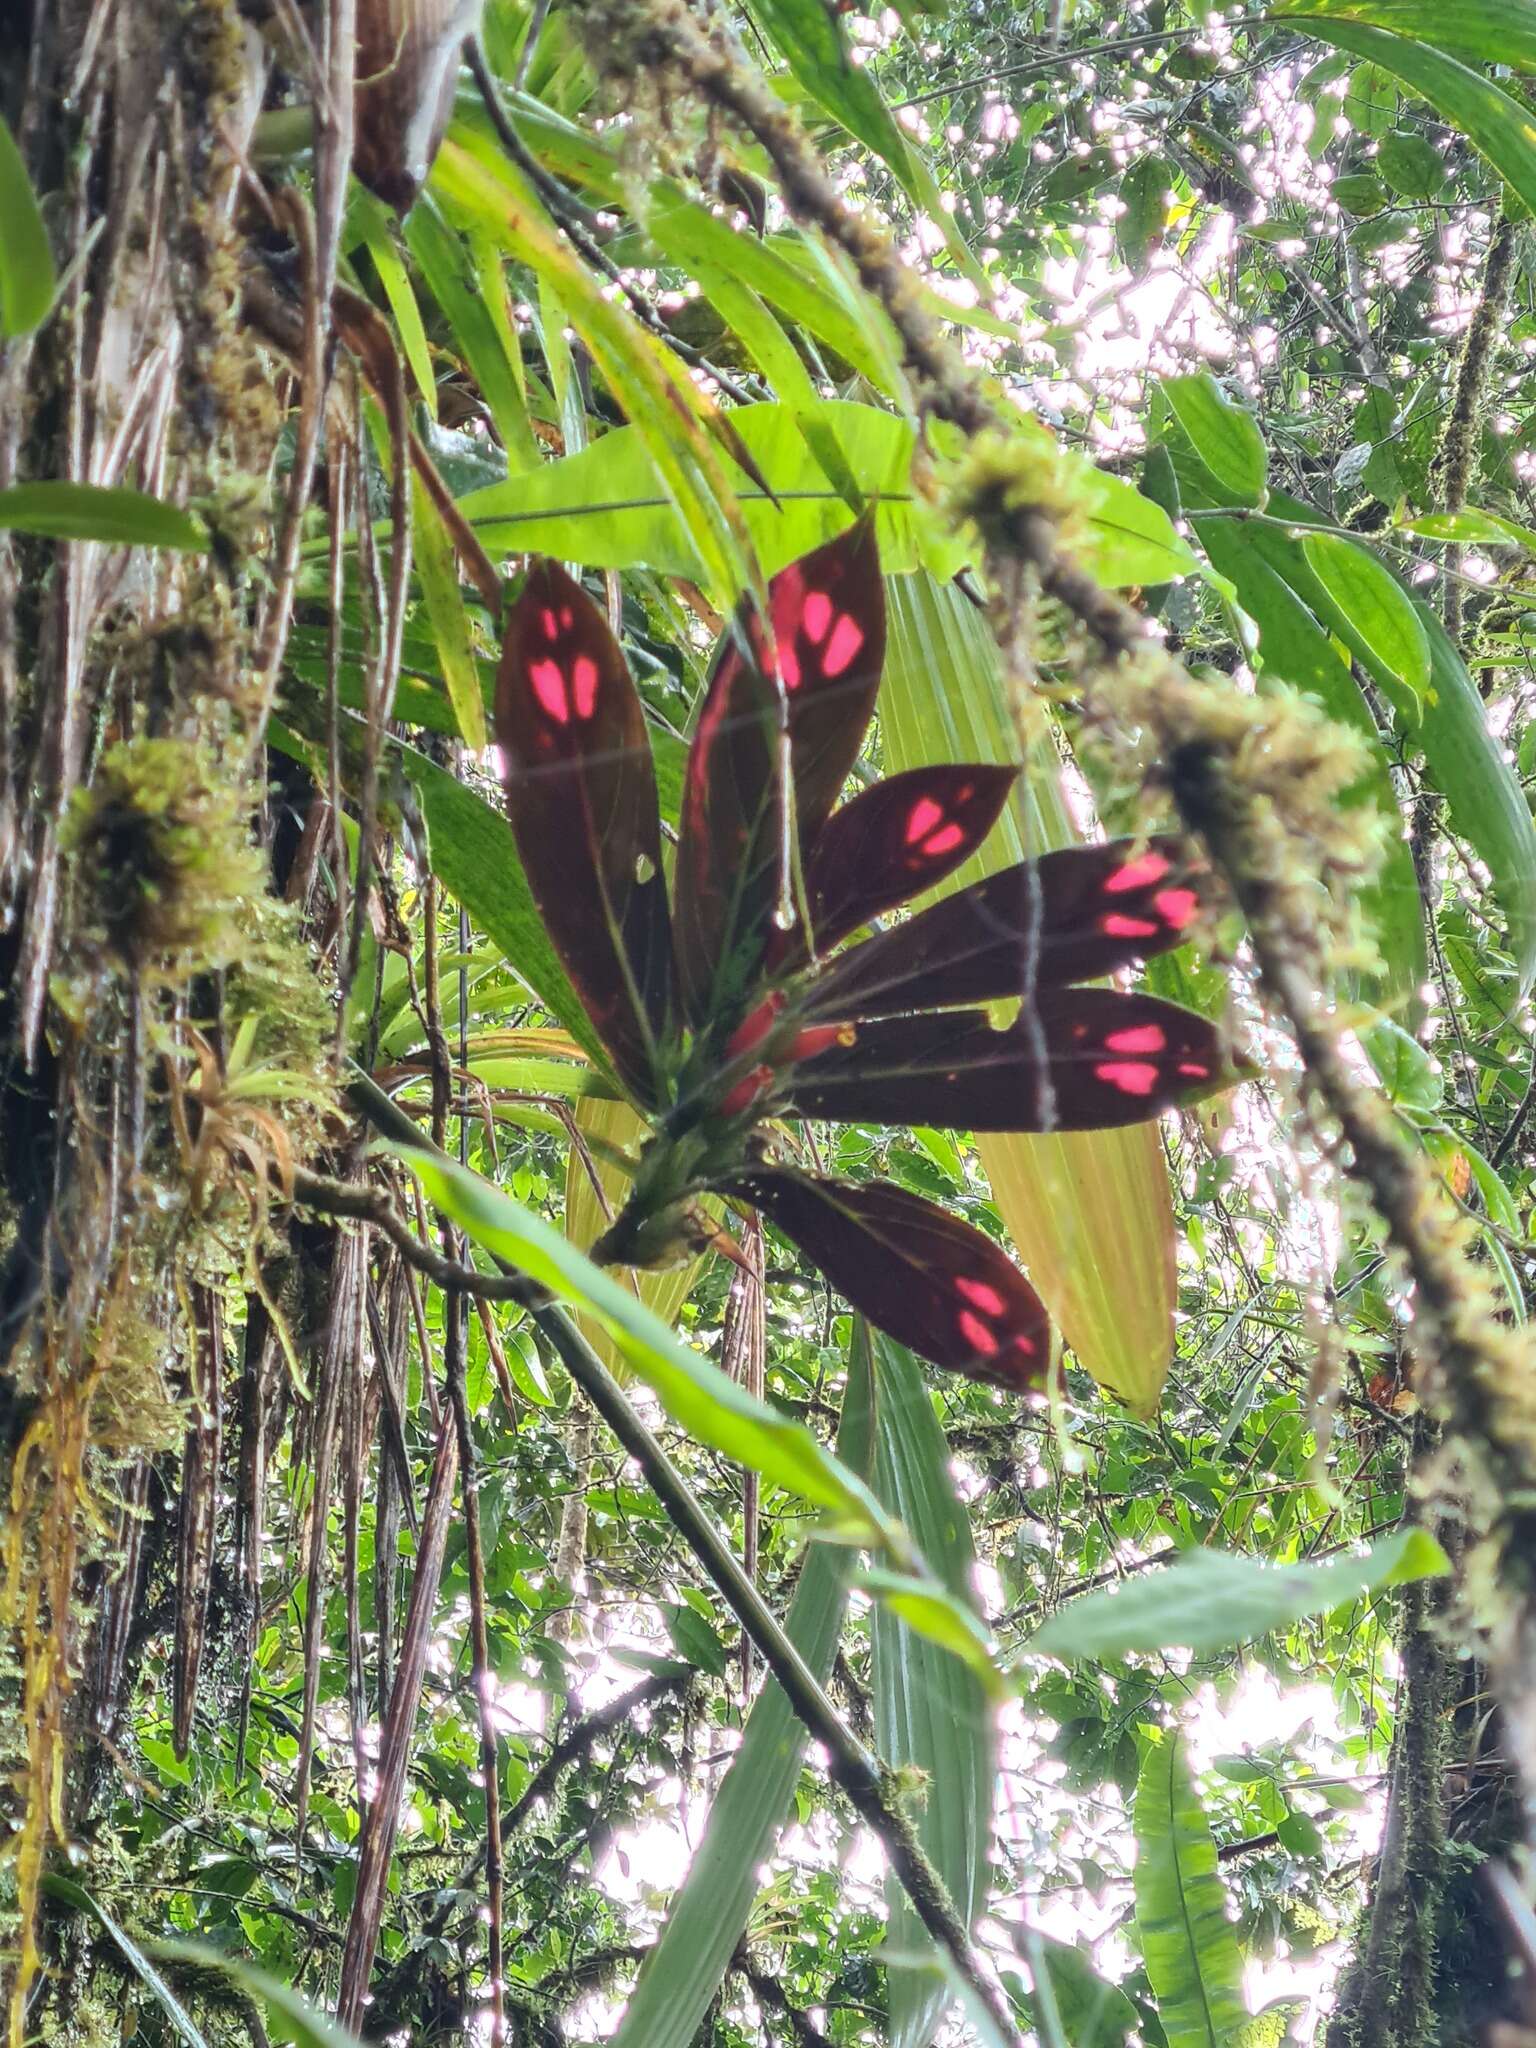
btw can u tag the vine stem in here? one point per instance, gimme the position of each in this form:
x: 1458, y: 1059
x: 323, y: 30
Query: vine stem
x: 865, y: 1781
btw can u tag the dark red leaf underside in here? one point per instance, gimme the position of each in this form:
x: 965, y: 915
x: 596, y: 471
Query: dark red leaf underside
x: 1068, y: 917
x: 896, y: 839
x: 929, y: 1280
x: 581, y: 794
x: 827, y: 613
x: 1078, y: 1059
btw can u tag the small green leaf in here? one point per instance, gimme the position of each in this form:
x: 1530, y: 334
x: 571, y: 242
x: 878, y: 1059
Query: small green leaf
x: 1359, y: 194
x: 1370, y: 609
x: 525, y: 1369
x: 1410, y: 1077
x: 940, y: 1618
x: 26, y: 261
x: 1411, y: 164
x: 1211, y: 1599
x: 1224, y: 436
x: 121, y: 518
x: 1471, y: 529
x: 1144, y: 193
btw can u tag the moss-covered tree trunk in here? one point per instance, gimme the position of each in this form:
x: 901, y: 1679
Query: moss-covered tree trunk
x: 137, y: 928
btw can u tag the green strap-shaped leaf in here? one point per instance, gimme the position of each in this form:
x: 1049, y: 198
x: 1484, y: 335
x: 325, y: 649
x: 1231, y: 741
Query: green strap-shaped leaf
x: 710, y: 1910
x: 1186, y: 1940
x: 26, y: 261
x: 930, y: 1709
x: 1211, y: 1599
x: 67, y: 1893
x: 120, y: 518
x: 437, y: 571
x: 1504, y: 33
x: 1490, y: 119
x: 1467, y: 764
x: 698, y: 1396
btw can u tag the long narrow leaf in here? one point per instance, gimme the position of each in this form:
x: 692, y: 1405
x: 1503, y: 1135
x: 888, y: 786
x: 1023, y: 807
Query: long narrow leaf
x: 930, y: 1710
x: 1185, y: 1937
x: 696, y: 1394
x: 710, y: 1911
x: 1091, y: 1213
x: 26, y: 261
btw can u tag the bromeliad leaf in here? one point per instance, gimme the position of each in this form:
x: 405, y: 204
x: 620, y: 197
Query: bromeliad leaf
x: 898, y: 838
x: 926, y: 1278
x: 1077, y: 1059
x: 811, y: 680
x: 581, y: 793
x: 1071, y: 916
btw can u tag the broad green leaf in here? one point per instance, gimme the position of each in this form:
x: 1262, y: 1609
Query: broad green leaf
x: 1411, y: 164
x: 931, y: 1704
x: 68, y: 1893
x: 1502, y: 33
x: 1369, y: 606
x: 1090, y: 1211
x: 118, y: 517
x: 26, y: 261
x: 605, y: 509
x: 1359, y: 193
x: 1467, y: 764
x: 1224, y: 436
x: 1186, y: 1940
x: 615, y: 1125
x: 1408, y: 1074
x: 698, y: 1396
x: 1144, y: 193
x: 1294, y: 648
x: 1088, y: 2011
x: 710, y: 1910
x: 1210, y: 1599
x: 1490, y: 119
x: 437, y: 571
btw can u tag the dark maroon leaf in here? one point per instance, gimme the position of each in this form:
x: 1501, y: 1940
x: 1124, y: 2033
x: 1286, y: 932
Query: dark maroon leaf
x: 581, y: 794
x: 828, y: 620
x: 933, y: 1282
x: 895, y: 840
x: 406, y: 67
x: 1070, y: 916
x: 1078, y: 1059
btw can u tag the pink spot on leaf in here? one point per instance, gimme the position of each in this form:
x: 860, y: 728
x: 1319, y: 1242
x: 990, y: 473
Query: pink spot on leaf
x: 550, y: 622
x: 944, y: 841
x: 1139, y: 1038
x: 1137, y: 874
x: 584, y: 682
x: 922, y: 818
x: 982, y: 1293
x: 847, y: 638
x: 1117, y: 926
x: 817, y: 615
x: 1177, y: 906
x: 1194, y: 1070
x: 976, y: 1334
x: 1131, y: 1077
x: 549, y: 687
x: 789, y: 666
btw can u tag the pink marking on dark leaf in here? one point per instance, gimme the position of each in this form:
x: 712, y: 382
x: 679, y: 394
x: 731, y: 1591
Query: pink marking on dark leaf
x: 1115, y: 926
x: 584, y: 683
x: 976, y: 1333
x: 981, y: 1294
x: 847, y: 638
x: 945, y: 840
x: 1136, y: 1077
x: 924, y: 816
x: 1178, y: 906
x: 817, y: 615
x: 549, y: 687
x: 1140, y: 1038
x: 1139, y: 873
